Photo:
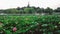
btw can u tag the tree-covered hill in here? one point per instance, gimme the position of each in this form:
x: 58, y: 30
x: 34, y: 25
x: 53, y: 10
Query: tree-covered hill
x: 30, y: 10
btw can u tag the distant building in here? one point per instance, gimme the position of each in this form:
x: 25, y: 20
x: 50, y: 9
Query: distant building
x: 28, y: 5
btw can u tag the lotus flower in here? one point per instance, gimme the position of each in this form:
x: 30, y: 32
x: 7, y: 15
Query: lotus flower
x: 14, y: 29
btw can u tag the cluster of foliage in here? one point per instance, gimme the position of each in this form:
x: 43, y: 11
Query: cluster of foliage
x: 47, y: 24
x: 29, y: 10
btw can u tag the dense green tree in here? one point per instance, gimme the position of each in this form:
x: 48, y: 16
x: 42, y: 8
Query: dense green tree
x: 18, y: 8
x: 40, y: 10
x: 13, y: 11
x: 48, y: 10
x: 29, y: 10
x: 57, y: 10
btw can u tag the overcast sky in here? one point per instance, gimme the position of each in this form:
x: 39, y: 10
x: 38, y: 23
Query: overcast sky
x: 5, y: 4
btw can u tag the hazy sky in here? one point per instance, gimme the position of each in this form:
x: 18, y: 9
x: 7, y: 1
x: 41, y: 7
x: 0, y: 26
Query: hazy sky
x: 4, y: 4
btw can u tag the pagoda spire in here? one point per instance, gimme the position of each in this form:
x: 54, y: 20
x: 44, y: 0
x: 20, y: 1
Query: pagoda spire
x: 28, y: 5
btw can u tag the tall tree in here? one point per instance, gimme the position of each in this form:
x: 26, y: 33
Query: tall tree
x: 48, y: 10
x: 29, y: 10
x: 57, y: 10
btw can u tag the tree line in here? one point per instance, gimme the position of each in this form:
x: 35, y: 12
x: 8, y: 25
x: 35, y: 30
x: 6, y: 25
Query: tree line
x: 30, y: 10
